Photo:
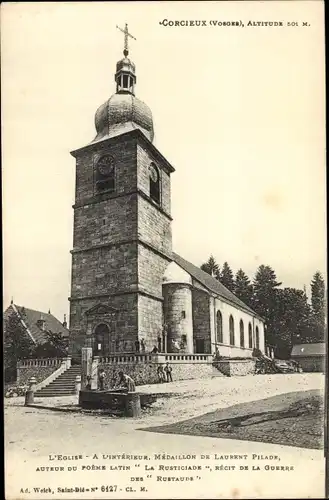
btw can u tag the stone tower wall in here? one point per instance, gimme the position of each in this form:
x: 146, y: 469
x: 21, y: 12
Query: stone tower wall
x: 121, y: 244
x: 178, y: 316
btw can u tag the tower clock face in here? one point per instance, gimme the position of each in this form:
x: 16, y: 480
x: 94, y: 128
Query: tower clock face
x: 154, y: 173
x: 105, y: 165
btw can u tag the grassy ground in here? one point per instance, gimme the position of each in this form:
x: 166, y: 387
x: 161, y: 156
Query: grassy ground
x: 293, y: 419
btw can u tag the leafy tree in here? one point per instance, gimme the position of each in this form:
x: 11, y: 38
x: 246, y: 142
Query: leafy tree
x: 243, y: 288
x: 17, y: 344
x: 265, y: 298
x: 56, y: 346
x: 293, y: 320
x: 318, y: 306
x: 226, y: 277
x: 211, y: 267
x: 317, y: 297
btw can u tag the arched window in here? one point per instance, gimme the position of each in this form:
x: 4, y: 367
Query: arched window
x: 250, y: 335
x: 219, y: 332
x: 241, y: 333
x: 232, y: 340
x: 101, y: 340
x: 257, y: 337
x: 105, y: 173
x: 154, y: 183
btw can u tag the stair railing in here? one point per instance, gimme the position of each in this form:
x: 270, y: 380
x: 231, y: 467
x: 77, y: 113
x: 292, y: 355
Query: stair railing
x: 65, y: 365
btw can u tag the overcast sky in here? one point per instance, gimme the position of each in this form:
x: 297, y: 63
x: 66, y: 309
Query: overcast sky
x: 239, y: 112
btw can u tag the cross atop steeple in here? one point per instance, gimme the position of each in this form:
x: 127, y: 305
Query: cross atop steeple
x: 126, y: 34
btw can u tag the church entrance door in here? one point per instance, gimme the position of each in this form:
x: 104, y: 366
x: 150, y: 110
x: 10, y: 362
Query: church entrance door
x: 101, y: 340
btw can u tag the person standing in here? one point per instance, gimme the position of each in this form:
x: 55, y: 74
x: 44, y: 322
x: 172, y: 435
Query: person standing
x: 143, y: 345
x: 161, y: 374
x: 137, y: 346
x: 127, y: 382
x: 168, y: 372
x: 101, y: 379
x: 88, y: 385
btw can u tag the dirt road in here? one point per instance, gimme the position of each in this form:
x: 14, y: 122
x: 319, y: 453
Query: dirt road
x: 32, y: 435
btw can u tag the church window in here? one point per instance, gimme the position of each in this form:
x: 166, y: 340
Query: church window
x: 231, y: 325
x: 219, y: 332
x: 154, y: 183
x: 183, y: 314
x: 241, y: 333
x: 257, y: 337
x: 250, y: 335
x: 105, y: 174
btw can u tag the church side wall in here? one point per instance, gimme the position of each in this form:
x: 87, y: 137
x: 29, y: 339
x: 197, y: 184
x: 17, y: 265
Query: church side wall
x: 236, y: 350
x: 261, y: 329
x: 212, y: 312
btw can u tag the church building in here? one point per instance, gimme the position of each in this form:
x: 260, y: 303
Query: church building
x: 130, y: 291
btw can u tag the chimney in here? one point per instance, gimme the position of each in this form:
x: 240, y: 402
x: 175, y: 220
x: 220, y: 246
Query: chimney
x: 41, y: 323
x: 65, y: 322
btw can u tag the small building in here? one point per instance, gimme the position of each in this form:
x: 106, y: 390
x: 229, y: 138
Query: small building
x: 30, y: 333
x: 311, y: 357
x: 37, y: 324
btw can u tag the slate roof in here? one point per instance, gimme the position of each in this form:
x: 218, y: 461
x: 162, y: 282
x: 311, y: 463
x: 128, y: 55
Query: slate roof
x: 212, y: 284
x: 31, y: 317
x: 315, y: 349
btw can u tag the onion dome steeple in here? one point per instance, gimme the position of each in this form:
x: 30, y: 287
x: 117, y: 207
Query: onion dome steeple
x: 123, y: 111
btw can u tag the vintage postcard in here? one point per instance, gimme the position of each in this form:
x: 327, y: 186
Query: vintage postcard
x: 165, y: 293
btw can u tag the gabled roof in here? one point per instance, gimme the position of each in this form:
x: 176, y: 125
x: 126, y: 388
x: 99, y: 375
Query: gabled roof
x: 212, y: 284
x: 315, y: 349
x: 30, y: 318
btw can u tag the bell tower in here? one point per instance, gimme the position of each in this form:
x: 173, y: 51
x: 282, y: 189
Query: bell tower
x: 122, y: 226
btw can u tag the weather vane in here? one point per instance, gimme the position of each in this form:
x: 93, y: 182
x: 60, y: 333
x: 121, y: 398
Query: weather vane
x: 126, y: 33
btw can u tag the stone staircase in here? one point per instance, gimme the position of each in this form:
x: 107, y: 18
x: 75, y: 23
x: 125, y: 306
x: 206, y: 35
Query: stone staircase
x: 215, y: 371
x: 64, y: 385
